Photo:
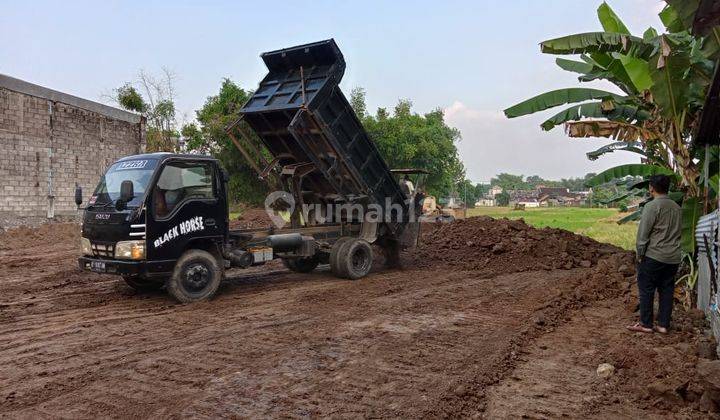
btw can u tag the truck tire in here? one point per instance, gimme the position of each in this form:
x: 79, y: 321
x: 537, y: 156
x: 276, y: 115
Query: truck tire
x: 355, y: 259
x: 197, y: 276
x: 142, y: 285
x: 301, y: 265
x: 334, y: 253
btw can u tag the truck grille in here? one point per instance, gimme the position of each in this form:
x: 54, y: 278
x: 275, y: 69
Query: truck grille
x: 103, y: 249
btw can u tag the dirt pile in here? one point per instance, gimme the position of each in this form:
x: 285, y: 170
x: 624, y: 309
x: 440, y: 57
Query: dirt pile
x: 499, y: 246
x: 49, y: 233
x: 251, y: 218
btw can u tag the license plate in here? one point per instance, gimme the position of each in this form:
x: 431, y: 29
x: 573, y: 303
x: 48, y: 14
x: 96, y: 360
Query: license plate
x: 98, y: 266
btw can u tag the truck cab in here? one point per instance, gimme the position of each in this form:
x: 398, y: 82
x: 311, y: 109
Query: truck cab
x: 147, y: 211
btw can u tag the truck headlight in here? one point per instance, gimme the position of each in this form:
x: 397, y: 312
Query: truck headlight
x: 85, y: 246
x: 130, y: 250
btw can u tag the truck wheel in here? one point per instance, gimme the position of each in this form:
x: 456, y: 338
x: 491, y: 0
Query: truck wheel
x: 197, y: 276
x: 355, y: 259
x: 301, y: 265
x: 142, y: 285
x: 334, y: 256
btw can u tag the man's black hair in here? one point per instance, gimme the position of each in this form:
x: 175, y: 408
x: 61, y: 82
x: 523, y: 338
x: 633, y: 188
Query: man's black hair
x: 660, y: 183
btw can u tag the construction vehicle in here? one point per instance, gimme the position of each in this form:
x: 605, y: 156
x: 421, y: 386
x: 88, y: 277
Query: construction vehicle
x: 161, y: 220
x: 432, y: 211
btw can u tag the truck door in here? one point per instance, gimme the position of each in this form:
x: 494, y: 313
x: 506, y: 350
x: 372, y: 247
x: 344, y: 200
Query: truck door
x: 185, y: 205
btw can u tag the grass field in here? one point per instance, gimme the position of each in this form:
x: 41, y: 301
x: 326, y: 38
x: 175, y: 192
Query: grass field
x: 599, y: 224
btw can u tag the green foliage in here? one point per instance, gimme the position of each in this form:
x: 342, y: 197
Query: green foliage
x: 599, y: 42
x: 503, y: 199
x: 469, y: 193
x: 691, y: 212
x: 157, y: 106
x: 622, y: 171
x: 357, y: 101
x: 626, y: 113
x: 634, y: 147
x: 632, y: 217
x: 599, y: 224
x: 669, y: 90
x: 557, y: 97
x: 678, y: 15
x: 129, y: 98
x: 409, y: 140
x: 610, y: 21
x: 210, y: 137
x: 509, y: 182
x: 165, y: 110
x: 664, y: 76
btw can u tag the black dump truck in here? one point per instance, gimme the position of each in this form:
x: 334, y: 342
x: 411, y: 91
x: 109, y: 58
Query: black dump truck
x: 161, y: 219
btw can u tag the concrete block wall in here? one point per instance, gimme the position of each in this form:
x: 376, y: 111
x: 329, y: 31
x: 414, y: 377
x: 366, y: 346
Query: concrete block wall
x: 51, y: 141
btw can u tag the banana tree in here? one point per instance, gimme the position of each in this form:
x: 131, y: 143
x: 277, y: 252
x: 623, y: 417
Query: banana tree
x: 663, y: 79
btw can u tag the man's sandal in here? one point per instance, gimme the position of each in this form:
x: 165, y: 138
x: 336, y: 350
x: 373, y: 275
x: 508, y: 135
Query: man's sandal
x: 660, y: 330
x: 638, y: 327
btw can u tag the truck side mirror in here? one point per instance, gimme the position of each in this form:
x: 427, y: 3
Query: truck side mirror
x: 225, y: 175
x: 127, y: 191
x: 78, y: 195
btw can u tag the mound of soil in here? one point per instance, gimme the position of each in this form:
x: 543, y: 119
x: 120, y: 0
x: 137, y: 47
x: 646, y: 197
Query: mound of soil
x: 23, y: 236
x: 497, y: 246
x: 251, y: 218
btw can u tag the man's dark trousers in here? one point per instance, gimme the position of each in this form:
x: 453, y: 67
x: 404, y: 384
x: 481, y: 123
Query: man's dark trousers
x: 654, y: 275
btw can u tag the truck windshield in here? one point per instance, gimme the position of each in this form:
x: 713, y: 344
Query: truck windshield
x: 138, y: 171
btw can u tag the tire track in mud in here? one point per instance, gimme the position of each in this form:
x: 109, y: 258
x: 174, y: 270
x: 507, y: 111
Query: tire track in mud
x: 398, y: 343
x: 287, y: 343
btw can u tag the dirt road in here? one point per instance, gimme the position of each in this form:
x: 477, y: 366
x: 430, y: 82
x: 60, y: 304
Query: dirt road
x: 412, y: 343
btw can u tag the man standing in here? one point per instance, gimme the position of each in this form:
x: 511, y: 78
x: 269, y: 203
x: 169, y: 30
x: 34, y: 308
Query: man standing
x: 658, y: 254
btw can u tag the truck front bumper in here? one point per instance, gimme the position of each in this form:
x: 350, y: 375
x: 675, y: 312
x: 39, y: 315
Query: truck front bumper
x: 127, y: 268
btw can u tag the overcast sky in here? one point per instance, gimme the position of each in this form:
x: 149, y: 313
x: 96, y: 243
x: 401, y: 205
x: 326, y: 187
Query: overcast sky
x: 471, y: 58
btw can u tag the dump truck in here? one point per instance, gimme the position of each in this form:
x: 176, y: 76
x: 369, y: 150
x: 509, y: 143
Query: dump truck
x: 161, y: 219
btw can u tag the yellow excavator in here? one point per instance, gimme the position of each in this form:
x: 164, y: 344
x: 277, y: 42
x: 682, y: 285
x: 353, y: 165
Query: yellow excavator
x: 434, y: 212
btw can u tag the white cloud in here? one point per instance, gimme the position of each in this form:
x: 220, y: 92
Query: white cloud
x: 493, y: 144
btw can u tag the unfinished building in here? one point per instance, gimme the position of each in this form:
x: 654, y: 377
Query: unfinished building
x: 52, y: 141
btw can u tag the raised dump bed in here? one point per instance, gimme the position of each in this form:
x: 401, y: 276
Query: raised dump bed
x: 315, y: 139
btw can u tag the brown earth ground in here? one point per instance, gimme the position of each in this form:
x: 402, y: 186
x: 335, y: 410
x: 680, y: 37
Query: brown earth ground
x: 496, y: 320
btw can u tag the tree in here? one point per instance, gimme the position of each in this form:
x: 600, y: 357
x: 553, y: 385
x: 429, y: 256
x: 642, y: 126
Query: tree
x: 357, y: 102
x: 210, y: 137
x: 663, y: 79
x: 409, y: 140
x: 509, y: 182
x: 157, y: 105
x: 503, y: 199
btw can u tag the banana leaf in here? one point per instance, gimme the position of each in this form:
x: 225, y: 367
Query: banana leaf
x: 679, y: 15
x: 615, y: 72
x: 634, y: 147
x: 599, y: 42
x: 677, y: 196
x: 638, y: 71
x: 650, y: 34
x: 636, y: 185
x: 636, y: 215
x: 691, y: 211
x: 711, y: 44
x: 558, y: 97
x: 714, y: 183
x: 622, y: 171
x: 574, y: 66
x: 670, y: 91
x: 626, y: 113
x: 621, y: 197
x: 610, y: 21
